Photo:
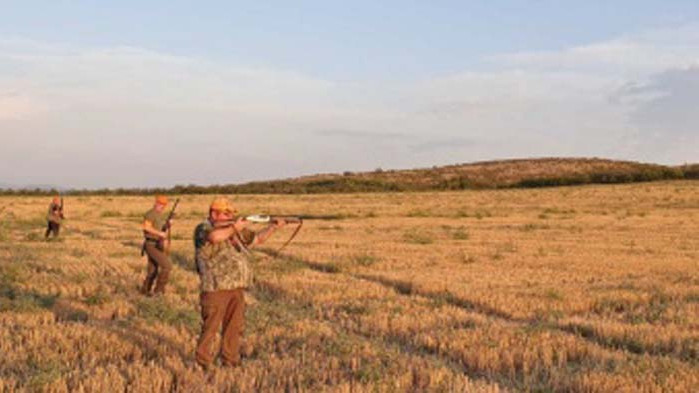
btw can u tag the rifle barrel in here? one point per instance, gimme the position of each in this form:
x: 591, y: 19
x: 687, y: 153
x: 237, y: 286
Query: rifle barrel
x: 291, y: 217
x: 172, y: 213
x: 267, y: 218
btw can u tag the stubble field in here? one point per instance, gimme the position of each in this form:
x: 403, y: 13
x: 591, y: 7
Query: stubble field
x: 584, y: 289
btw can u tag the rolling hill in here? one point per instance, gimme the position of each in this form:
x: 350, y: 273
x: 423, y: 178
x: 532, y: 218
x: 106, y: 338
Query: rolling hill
x: 543, y: 172
x: 514, y: 173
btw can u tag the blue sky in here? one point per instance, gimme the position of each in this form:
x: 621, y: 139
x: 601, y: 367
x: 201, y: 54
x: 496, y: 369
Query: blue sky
x: 316, y: 86
x: 359, y: 39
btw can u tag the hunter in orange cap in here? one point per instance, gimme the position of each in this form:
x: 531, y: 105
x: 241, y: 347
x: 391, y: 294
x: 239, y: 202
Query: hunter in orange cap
x: 54, y: 217
x: 222, y: 204
x: 155, y: 230
x: 222, y: 255
x: 161, y: 200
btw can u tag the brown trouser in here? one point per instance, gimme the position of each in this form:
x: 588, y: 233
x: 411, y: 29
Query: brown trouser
x: 52, y: 227
x: 224, y: 310
x: 159, y: 267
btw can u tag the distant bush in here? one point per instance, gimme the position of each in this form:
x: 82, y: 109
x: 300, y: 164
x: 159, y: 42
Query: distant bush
x: 609, y: 177
x: 691, y: 171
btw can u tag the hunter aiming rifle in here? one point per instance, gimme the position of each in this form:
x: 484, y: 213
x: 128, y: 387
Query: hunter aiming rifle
x: 166, y: 227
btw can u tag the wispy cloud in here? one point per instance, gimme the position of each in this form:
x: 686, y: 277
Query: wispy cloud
x: 629, y: 56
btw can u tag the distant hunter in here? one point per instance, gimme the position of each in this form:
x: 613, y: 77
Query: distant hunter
x: 156, y: 228
x: 54, y: 217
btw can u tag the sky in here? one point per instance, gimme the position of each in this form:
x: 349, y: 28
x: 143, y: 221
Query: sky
x: 143, y: 94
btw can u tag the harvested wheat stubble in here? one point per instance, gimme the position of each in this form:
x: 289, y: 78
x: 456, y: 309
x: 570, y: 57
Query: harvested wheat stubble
x: 584, y: 289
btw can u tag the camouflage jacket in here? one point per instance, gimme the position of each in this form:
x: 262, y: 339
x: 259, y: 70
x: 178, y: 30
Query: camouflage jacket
x: 222, y: 265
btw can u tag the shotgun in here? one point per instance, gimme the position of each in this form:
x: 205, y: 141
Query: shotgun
x: 265, y: 218
x: 166, y: 226
x: 60, y: 210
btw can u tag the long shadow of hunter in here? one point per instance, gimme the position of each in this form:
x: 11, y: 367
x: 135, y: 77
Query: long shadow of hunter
x: 402, y: 287
x: 686, y: 354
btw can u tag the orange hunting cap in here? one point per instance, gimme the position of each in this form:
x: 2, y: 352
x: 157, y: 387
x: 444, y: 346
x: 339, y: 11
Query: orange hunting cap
x: 56, y: 199
x: 222, y: 204
x: 161, y: 199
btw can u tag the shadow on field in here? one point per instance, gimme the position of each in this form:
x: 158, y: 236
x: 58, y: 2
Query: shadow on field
x: 271, y: 292
x: 686, y: 354
x: 13, y: 298
x: 153, y: 346
x: 408, y: 288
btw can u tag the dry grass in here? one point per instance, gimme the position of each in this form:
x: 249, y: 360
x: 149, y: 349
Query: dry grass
x: 585, y: 289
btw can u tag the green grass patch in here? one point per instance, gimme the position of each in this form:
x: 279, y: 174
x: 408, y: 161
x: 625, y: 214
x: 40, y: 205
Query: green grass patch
x: 414, y: 236
x: 531, y: 227
x: 110, y: 213
x: 28, y: 224
x: 363, y: 259
x: 554, y: 294
x: 481, y: 214
x: 419, y: 213
x: 460, y: 234
x: 35, y: 237
x: 97, y: 299
x: 15, y: 299
x: 40, y: 374
x: 158, y: 310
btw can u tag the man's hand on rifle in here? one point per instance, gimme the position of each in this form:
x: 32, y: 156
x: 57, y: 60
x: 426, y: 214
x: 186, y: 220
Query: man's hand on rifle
x: 279, y: 222
x: 240, y: 224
